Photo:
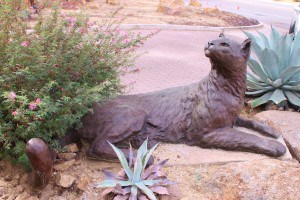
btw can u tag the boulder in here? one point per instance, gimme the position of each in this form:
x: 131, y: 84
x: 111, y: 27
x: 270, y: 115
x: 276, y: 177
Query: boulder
x: 111, y: 2
x: 65, y: 180
x: 171, y: 7
x: 66, y: 156
x: 288, y: 123
x: 65, y: 165
x: 195, y: 3
x: 83, y: 182
x: 258, y: 179
x: 72, y: 148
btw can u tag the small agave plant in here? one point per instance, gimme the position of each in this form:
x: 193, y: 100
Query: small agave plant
x: 136, y: 181
x: 275, y: 73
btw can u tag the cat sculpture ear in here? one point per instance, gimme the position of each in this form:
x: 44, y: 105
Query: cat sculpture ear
x: 222, y: 34
x: 246, y: 47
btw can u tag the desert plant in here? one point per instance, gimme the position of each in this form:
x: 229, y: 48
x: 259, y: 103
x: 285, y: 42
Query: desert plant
x: 140, y: 183
x: 275, y: 73
x: 50, y: 78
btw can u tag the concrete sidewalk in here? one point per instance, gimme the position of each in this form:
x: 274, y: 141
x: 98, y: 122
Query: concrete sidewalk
x: 174, y: 58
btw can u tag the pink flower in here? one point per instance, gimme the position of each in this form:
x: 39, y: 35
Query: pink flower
x: 63, y: 14
x: 14, y: 113
x: 73, y: 20
x: 32, y: 106
x: 12, y: 96
x: 37, y: 101
x: 25, y: 44
x: 91, y: 23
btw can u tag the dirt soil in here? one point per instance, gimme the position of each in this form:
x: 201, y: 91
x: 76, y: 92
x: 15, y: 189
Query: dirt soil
x: 145, y: 12
x: 13, y: 181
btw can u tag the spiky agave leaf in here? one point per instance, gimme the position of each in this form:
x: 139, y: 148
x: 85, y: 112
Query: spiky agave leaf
x: 153, y: 169
x: 276, y: 73
x: 126, y: 188
x: 160, y: 190
x: 146, y: 190
x: 111, y: 176
x: 123, y: 161
x: 148, y: 155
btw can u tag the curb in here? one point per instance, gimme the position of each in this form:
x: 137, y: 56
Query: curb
x: 185, y: 27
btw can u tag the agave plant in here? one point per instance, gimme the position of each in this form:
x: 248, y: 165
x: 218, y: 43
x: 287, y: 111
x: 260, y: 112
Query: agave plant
x: 136, y: 181
x: 275, y: 74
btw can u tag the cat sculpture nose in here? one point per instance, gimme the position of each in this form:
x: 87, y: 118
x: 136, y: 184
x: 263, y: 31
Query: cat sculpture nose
x: 208, y: 45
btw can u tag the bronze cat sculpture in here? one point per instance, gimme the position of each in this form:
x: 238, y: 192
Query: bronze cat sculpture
x: 201, y: 114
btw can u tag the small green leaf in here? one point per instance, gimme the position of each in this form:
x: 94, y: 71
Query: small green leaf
x: 292, y: 98
x: 146, y: 190
x: 277, y: 96
x: 261, y: 100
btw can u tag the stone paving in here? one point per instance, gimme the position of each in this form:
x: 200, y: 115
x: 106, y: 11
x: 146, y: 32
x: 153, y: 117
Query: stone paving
x: 175, y: 58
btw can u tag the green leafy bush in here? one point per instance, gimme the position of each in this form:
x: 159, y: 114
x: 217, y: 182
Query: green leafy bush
x: 141, y: 182
x: 50, y: 78
x: 275, y: 74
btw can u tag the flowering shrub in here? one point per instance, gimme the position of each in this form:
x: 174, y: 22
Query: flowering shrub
x: 50, y: 78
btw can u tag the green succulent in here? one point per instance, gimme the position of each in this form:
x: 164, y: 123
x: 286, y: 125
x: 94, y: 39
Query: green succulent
x: 275, y: 73
x: 141, y: 182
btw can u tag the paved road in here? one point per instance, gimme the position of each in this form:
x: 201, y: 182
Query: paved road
x: 266, y: 11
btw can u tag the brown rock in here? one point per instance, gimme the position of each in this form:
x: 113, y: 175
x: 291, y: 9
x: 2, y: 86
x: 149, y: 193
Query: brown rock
x: 288, y: 123
x: 292, y: 140
x: 23, y: 196
x: 65, y: 180
x: 58, y: 198
x: 47, y: 193
x: 171, y: 7
x: 72, y: 148
x: 111, y: 2
x: 66, y: 156
x: 8, y: 178
x: 19, y: 189
x: 259, y: 179
x: 195, y: 3
x: 65, y: 165
x: 83, y: 182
